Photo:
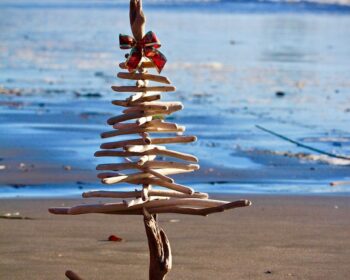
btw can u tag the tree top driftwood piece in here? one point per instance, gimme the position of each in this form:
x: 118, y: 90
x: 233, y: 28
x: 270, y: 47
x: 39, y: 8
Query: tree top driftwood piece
x: 142, y: 161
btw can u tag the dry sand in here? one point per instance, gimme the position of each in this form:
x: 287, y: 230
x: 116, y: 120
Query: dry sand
x: 276, y: 238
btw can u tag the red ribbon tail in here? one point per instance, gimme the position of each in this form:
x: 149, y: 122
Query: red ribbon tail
x: 133, y: 60
x: 159, y: 60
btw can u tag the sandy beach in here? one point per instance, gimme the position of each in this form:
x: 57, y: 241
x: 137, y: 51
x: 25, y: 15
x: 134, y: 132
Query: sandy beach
x: 301, y: 237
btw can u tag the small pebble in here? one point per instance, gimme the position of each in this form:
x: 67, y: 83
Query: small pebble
x: 2, y: 167
x: 67, y: 167
x: 268, y: 272
x: 280, y: 93
x: 114, y: 238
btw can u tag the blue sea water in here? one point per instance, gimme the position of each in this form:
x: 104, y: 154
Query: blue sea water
x: 227, y: 58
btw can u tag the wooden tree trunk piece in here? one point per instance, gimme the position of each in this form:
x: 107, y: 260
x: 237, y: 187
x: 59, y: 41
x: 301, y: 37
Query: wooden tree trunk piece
x: 159, y: 248
x: 72, y: 276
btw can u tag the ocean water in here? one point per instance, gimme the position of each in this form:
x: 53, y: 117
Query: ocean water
x: 228, y: 59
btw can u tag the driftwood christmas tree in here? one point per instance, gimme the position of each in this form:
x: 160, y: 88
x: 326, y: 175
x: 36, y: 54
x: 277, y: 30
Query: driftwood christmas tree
x: 142, y: 155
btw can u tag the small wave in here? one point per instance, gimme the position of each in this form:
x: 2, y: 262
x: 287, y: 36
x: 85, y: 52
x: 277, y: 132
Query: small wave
x: 313, y: 157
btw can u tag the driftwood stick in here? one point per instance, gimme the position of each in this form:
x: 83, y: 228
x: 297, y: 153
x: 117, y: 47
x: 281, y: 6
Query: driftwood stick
x: 154, y: 108
x: 154, y: 207
x: 138, y: 148
x: 126, y: 125
x: 148, y: 141
x: 148, y: 97
x: 145, y: 100
x: 115, y: 207
x: 154, y: 151
x: 143, y: 76
x: 159, y: 248
x: 147, y: 106
x: 144, y: 64
x: 112, y: 194
x: 114, y: 178
x: 138, y: 194
x: 72, y: 276
x: 177, y: 139
x: 299, y: 144
x: 202, y: 212
x: 141, y: 129
x: 126, y: 103
x: 137, y: 19
x: 143, y: 89
x: 120, y: 144
x: 140, y: 114
x: 151, y: 123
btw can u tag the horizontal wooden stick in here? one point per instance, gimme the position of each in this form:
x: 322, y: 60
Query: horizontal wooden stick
x: 157, y: 108
x: 111, y: 207
x: 170, y: 164
x: 184, y: 201
x: 143, y: 89
x: 146, y: 106
x: 117, y: 166
x: 155, y: 206
x: 154, y: 151
x: 146, y: 141
x: 140, y: 114
x: 126, y: 117
x: 143, y: 76
x: 144, y: 64
x: 137, y: 194
x: 196, y: 211
x: 138, y: 148
x: 128, y: 102
x: 170, y: 140
x: 139, y: 201
x: 114, y: 178
x: 161, y: 124
x: 138, y: 129
x: 120, y: 144
x: 126, y: 125
x: 145, y: 97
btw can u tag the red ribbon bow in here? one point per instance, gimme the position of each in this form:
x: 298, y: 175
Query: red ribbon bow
x: 147, y: 47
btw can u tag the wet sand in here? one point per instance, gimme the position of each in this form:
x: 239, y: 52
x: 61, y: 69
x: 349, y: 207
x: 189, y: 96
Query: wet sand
x: 301, y: 237
x: 248, y: 69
